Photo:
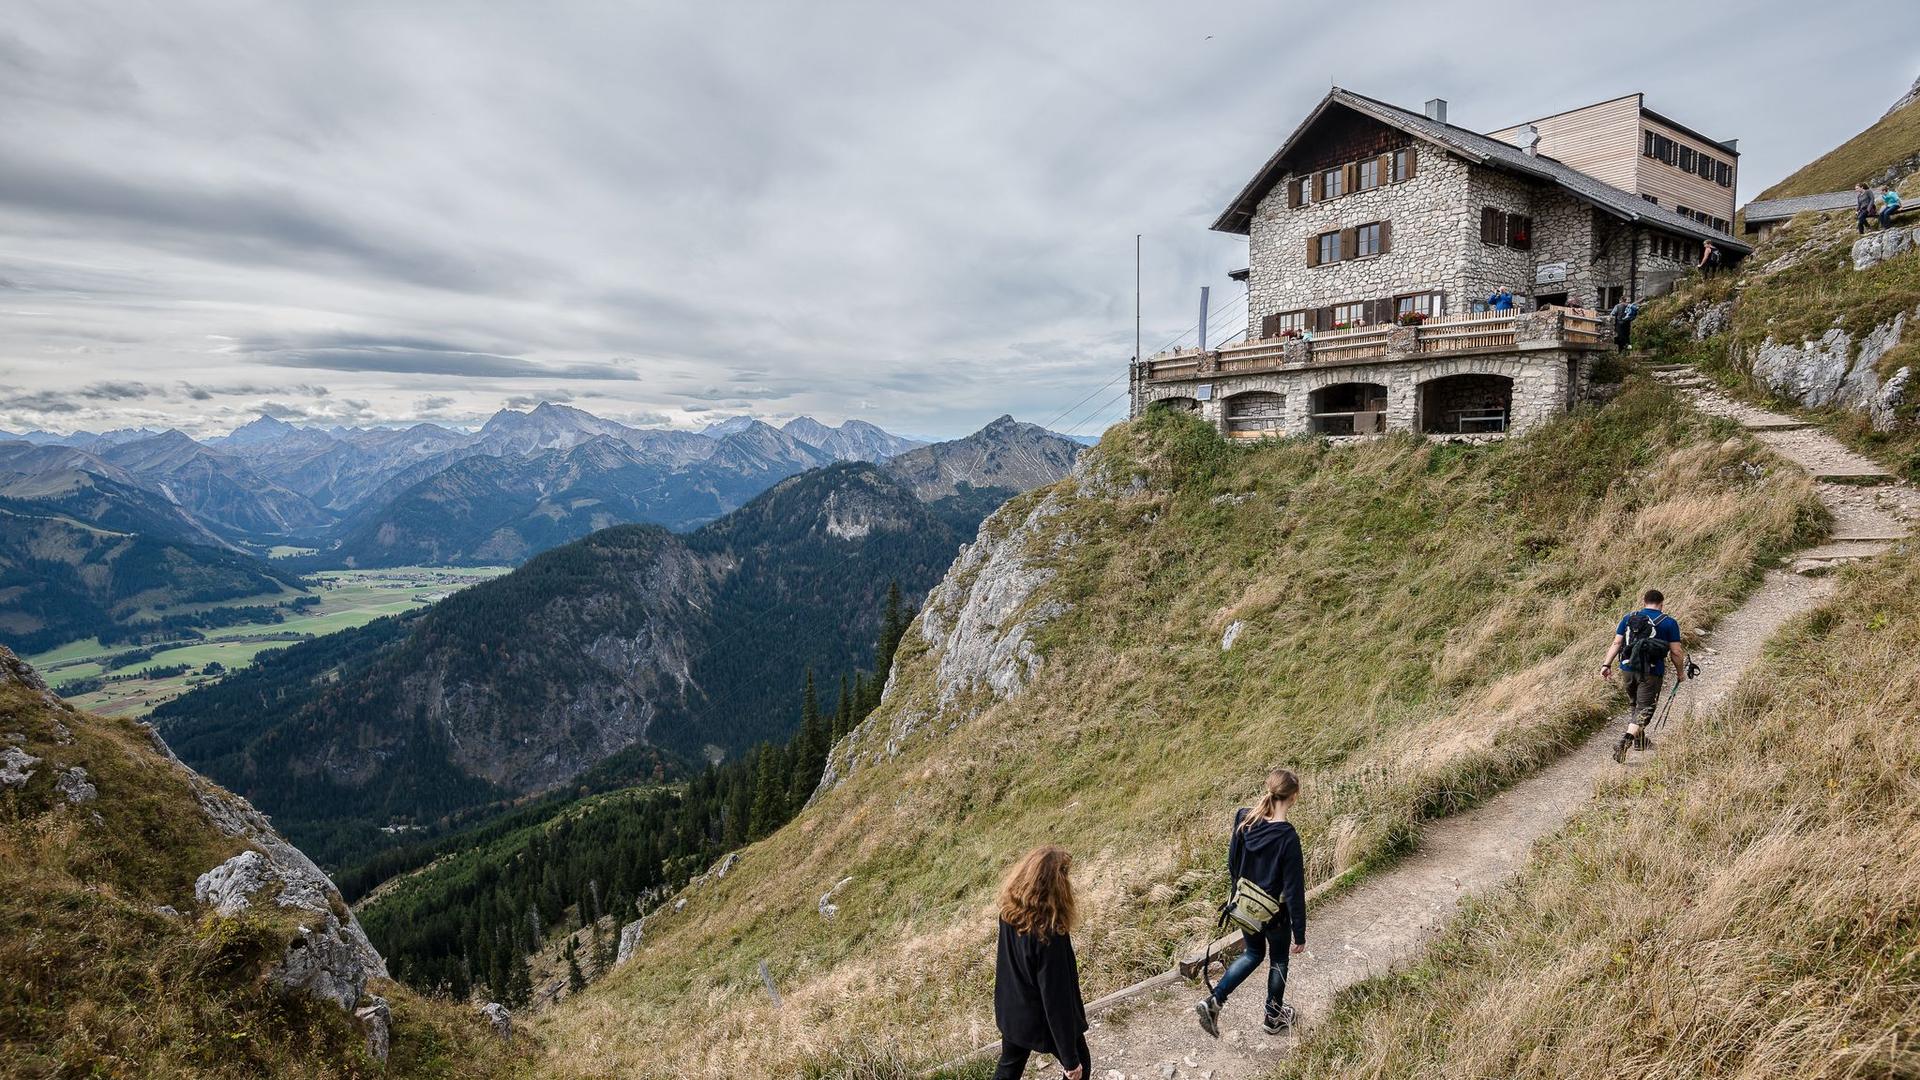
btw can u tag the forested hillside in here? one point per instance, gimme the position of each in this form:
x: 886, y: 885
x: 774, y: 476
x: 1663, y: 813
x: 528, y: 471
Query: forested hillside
x: 1116, y: 661
x: 632, y: 636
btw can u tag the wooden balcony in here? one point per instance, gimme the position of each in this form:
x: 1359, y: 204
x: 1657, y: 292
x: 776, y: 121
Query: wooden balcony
x: 1479, y: 332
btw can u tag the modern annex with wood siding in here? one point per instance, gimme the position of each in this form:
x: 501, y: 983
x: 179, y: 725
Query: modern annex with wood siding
x: 1373, y: 236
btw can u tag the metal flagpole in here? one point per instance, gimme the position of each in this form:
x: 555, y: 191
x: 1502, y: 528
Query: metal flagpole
x: 1136, y: 299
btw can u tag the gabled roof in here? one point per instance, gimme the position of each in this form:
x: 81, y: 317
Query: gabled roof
x: 1479, y: 150
x: 1782, y: 209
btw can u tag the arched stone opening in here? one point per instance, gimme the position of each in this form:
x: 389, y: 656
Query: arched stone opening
x: 1256, y: 414
x: 1466, y: 404
x: 1347, y: 409
x: 1178, y: 404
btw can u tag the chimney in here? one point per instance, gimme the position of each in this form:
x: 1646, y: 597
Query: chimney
x: 1437, y: 109
x: 1732, y: 145
x: 1529, y: 139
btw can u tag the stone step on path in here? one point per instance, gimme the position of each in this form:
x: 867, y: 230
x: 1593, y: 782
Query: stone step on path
x: 1150, y: 1031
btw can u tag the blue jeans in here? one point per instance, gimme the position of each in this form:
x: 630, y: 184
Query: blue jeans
x: 1274, y: 941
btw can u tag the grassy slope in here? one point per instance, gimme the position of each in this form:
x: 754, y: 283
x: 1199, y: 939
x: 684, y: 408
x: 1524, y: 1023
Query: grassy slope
x: 1800, y: 283
x: 94, y: 983
x: 1420, y: 622
x: 1752, y: 900
x: 1859, y: 159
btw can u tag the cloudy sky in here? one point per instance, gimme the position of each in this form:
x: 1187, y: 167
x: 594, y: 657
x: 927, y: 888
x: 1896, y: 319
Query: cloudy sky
x: 918, y: 214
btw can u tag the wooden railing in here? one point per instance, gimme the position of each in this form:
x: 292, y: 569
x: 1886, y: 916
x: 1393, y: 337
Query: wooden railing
x: 1470, y: 330
x: 1345, y: 346
x: 1467, y: 332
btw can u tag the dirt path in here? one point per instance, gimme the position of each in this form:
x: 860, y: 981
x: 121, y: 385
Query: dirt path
x: 1388, y: 917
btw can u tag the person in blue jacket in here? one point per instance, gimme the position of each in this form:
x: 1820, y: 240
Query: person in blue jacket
x: 1501, y: 300
x: 1643, y: 642
x: 1265, y: 850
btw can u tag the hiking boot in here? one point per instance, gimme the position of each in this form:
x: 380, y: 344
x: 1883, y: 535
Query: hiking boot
x: 1209, y: 1011
x: 1281, y: 1023
x: 1620, y: 749
x: 1641, y: 742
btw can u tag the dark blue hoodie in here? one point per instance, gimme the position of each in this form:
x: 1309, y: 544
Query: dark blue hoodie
x: 1267, y: 853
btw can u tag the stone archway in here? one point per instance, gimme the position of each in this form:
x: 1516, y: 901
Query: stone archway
x: 1255, y: 414
x: 1349, y: 408
x: 1465, y: 403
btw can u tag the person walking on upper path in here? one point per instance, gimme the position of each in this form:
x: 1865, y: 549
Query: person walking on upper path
x: 1643, y: 642
x: 1269, y: 901
x: 1623, y: 314
x: 1036, y: 982
x: 1863, y: 205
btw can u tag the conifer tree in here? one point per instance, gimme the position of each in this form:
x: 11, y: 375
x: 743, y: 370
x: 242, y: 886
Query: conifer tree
x: 809, y: 749
x: 576, y: 980
x: 519, y: 983
x: 769, y: 793
x: 843, y: 712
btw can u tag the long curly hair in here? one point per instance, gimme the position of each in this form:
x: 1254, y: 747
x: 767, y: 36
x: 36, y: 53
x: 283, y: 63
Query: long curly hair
x: 1037, y: 898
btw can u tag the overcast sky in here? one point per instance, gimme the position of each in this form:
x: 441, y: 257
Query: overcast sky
x: 917, y: 214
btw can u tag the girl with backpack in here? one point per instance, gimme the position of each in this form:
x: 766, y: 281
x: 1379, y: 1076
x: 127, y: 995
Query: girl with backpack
x: 1036, y: 982
x: 1268, y: 903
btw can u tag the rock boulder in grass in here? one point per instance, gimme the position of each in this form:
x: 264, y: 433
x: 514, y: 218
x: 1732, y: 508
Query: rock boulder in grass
x: 1874, y: 248
x: 1893, y: 406
x: 630, y: 938
x: 16, y: 767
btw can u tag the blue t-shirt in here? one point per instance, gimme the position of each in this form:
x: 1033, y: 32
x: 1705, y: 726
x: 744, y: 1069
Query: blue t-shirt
x: 1665, y: 627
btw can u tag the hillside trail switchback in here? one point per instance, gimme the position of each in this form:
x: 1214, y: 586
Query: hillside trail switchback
x: 1148, y: 1032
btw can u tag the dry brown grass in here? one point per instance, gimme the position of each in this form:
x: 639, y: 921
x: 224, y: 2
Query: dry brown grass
x: 93, y: 982
x: 1420, y: 621
x: 1748, y: 907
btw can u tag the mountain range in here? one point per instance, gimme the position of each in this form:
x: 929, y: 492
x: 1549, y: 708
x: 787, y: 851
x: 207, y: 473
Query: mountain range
x: 632, y: 636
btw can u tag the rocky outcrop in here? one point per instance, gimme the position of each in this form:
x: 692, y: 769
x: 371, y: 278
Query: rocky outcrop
x: 828, y: 909
x: 1712, y: 319
x: 631, y: 935
x: 1829, y: 370
x: 1005, y: 454
x: 1893, y: 406
x: 499, y: 1017
x: 1874, y: 248
x: 979, y: 623
x: 1912, y: 95
x: 376, y: 1019
x: 74, y: 787
x: 16, y: 767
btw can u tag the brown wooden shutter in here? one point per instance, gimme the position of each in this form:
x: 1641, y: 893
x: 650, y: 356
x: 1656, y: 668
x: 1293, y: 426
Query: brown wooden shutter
x: 1348, y: 245
x: 1413, y: 161
x: 1386, y: 237
x: 1380, y: 312
x: 1323, y: 319
x: 1293, y: 194
x: 1385, y: 168
x: 1492, y: 225
x: 1313, y: 251
x: 1351, y: 176
x: 1270, y: 326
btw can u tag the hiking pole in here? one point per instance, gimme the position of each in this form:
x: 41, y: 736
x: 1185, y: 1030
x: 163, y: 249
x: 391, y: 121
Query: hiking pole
x: 1693, y: 672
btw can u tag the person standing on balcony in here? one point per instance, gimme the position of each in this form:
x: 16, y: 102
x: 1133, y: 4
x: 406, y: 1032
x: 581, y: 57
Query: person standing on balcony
x: 1501, y: 300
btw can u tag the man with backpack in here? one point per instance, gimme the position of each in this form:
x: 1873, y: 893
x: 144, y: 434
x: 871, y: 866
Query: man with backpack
x: 1643, y: 643
x: 1623, y: 314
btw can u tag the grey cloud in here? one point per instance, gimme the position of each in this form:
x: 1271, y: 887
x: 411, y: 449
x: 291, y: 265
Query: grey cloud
x: 197, y: 392
x: 403, y: 359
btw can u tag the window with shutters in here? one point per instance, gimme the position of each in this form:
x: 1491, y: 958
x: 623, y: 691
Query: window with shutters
x: 1367, y: 175
x: 1687, y: 159
x: 1366, y: 240
x: 1333, y: 183
x: 1651, y: 198
x: 1493, y: 225
x: 1289, y: 322
x: 1403, y: 164
x: 1723, y: 174
x: 1520, y: 232
x: 1329, y: 247
x: 1349, y: 315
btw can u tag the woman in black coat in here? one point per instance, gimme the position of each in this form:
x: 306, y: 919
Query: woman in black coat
x: 1036, y: 984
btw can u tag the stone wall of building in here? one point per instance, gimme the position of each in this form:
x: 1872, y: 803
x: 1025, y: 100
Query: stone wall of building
x: 1487, y: 267
x: 1544, y: 382
x: 1429, y: 214
x: 1655, y: 275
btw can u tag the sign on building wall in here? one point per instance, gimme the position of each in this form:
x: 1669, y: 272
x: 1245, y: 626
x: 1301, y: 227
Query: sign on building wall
x: 1550, y: 274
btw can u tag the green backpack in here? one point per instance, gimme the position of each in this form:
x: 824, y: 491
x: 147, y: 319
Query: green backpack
x: 1248, y: 906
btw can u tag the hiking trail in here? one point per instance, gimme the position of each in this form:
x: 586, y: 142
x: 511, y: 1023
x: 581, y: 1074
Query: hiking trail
x: 1149, y: 1032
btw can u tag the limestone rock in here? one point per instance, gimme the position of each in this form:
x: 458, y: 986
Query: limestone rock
x: 1906, y: 99
x: 230, y: 887
x: 1831, y: 369
x: 1892, y: 406
x: 680, y: 905
x: 500, y: 1017
x: 17, y: 672
x: 16, y: 767
x: 630, y: 938
x: 1877, y: 247
x: 323, y: 964
x: 168, y: 910
x: 978, y: 618
x: 377, y: 1020
x: 1713, y: 319
x: 828, y: 909
x: 73, y: 784
x: 1232, y: 635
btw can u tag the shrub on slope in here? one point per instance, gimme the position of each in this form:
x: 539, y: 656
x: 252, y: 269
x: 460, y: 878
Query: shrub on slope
x: 1749, y: 906
x: 1420, y: 625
